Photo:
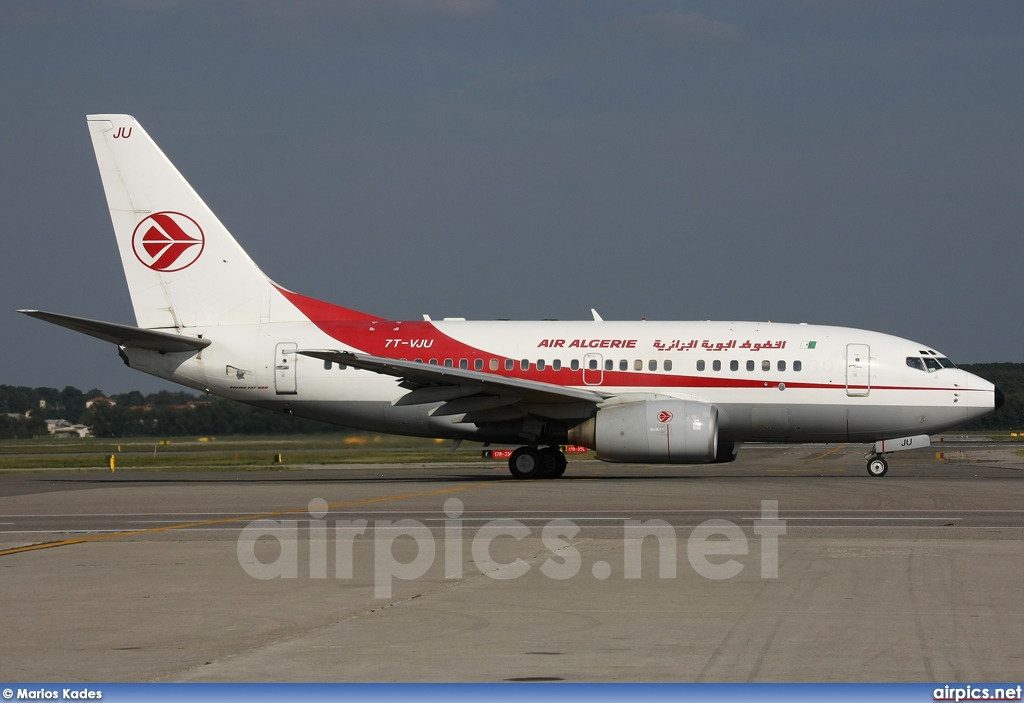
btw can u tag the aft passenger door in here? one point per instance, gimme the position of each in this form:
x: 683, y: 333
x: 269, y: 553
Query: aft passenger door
x: 858, y: 370
x: 284, y: 368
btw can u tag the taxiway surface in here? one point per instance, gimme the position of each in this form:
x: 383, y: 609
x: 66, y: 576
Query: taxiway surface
x: 154, y: 576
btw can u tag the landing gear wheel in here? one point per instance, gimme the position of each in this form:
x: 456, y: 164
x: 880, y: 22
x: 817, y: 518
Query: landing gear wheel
x: 726, y: 452
x: 553, y: 462
x: 526, y: 462
x: 877, y: 466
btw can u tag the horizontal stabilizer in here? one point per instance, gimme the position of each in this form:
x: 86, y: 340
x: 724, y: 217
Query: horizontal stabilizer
x: 122, y: 335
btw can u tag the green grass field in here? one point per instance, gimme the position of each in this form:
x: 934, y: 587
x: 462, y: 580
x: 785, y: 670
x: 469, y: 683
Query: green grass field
x: 252, y: 453
x: 241, y: 453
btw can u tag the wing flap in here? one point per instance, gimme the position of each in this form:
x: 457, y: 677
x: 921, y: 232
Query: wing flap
x: 418, y: 377
x: 477, y: 403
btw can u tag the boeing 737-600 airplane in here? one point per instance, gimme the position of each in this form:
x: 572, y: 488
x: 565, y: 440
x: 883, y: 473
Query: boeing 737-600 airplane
x: 650, y: 392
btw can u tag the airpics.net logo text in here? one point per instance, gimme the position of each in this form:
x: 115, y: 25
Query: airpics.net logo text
x: 715, y: 549
x: 968, y: 692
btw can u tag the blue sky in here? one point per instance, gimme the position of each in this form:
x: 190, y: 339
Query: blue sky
x: 848, y: 163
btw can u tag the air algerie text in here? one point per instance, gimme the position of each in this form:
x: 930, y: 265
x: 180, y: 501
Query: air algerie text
x: 589, y: 343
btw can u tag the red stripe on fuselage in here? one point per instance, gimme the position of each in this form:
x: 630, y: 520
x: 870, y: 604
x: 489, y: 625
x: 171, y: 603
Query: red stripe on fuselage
x: 320, y: 312
x: 395, y: 339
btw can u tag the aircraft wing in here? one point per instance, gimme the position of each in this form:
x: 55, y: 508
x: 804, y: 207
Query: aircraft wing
x: 472, y: 392
x: 122, y: 335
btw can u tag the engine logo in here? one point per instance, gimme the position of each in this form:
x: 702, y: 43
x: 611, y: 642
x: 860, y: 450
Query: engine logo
x: 665, y: 416
x: 168, y: 241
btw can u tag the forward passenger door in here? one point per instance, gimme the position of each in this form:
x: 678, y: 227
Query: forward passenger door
x: 858, y: 370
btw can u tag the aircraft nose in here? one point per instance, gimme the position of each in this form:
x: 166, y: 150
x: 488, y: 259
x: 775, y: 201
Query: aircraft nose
x: 999, y: 398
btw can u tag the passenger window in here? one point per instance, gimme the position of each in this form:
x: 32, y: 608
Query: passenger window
x: 574, y: 364
x: 433, y: 362
x: 668, y: 364
x: 915, y: 363
x: 609, y: 364
x: 716, y: 365
x: 556, y: 365
x: 782, y: 366
x: 700, y: 364
x: 509, y: 364
x: 541, y: 364
x: 766, y: 365
x: 638, y: 365
x: 524, y: 365
x: 652, y: 365
x: 623, y: 365
x: 494, y: 365
x: 478, y: 364
x: 463, y: 363
x: 798, y: 366
x: 734, y: 365
x: 750, y: 365
x: 593, y: 364
x: 449, y: 363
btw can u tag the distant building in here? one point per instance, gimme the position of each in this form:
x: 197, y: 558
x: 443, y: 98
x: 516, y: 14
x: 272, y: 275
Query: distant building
x: 99, y: 399
x: 191, y: 405
x: 63, y: 428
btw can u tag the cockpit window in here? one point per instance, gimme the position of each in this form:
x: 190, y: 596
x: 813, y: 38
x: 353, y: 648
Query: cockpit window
x: 930, y: 363
x: 915, y: 362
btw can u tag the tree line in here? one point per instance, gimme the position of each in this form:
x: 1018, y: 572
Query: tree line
x: 182, y: 413
x: 165, y: 414
x: 1009, y: 378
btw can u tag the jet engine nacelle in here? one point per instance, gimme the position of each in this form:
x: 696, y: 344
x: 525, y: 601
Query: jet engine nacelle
x: 652, y: 431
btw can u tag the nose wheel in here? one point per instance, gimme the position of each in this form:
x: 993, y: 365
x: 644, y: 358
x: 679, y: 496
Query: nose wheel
x: 877, y: 466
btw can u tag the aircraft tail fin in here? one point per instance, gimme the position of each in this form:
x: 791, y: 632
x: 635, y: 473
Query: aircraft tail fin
x: 184, y: 269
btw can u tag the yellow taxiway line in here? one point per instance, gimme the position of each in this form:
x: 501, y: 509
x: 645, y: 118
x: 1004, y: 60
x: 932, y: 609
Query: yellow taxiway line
x: 219, y: 521
x: 828, y: 453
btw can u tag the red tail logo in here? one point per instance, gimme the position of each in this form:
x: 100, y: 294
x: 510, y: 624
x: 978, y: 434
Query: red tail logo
x: 168, y: 241
x: 665, y: 416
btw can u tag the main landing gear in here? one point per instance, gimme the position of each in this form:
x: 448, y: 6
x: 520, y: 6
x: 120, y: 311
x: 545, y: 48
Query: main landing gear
x: 531, y: 462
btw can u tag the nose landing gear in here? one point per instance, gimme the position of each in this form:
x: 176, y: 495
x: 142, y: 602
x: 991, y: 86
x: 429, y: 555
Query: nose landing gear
x: 877, y: 465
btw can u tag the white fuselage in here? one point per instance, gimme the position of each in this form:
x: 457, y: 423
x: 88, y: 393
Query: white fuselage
x: 770, y: 381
